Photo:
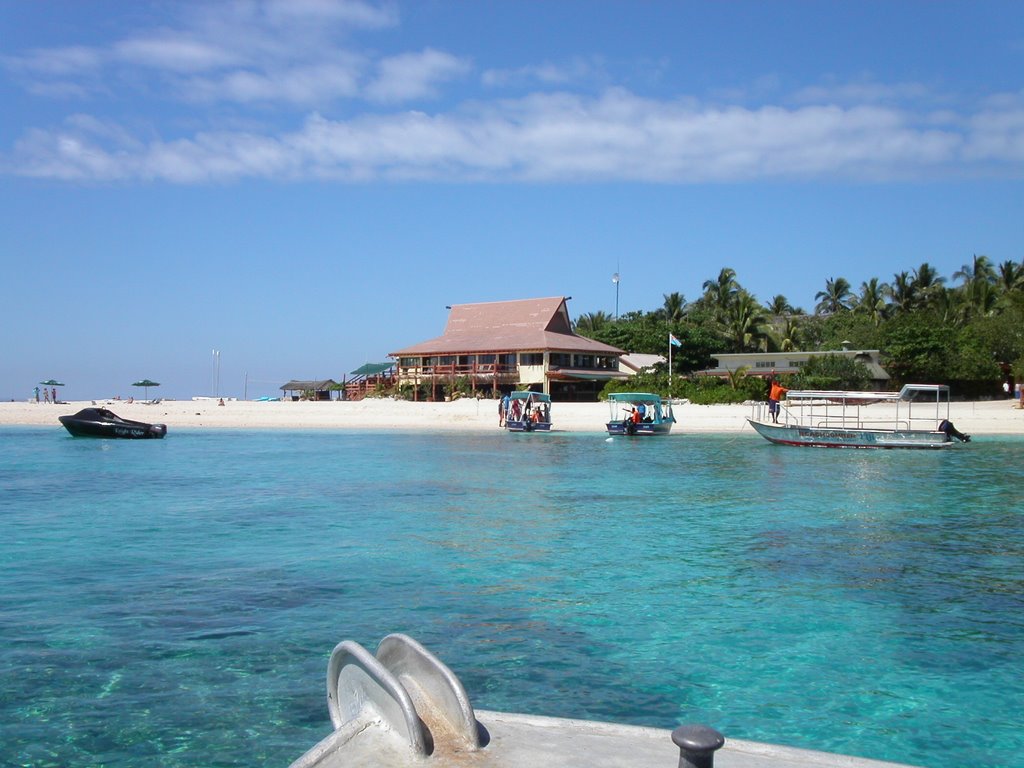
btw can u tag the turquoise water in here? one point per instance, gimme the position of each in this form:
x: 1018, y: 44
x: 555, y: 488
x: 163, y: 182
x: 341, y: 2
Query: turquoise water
x: 174, y: 602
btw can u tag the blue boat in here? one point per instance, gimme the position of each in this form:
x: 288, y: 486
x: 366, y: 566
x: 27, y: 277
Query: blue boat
x: 528, y: 412
x: 640, y: 414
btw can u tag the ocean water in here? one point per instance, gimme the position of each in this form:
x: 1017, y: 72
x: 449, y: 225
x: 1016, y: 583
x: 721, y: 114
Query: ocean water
x: 174, y: 602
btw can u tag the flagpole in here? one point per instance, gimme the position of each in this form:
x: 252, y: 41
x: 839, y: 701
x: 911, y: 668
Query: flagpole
x: 670, y: 366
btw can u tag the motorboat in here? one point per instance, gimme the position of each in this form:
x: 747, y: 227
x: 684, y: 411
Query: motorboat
x: 639, y: 413
x: 527, y: 411
x: 915, y: 417
x: 100, y: 422
x: 402, y: 707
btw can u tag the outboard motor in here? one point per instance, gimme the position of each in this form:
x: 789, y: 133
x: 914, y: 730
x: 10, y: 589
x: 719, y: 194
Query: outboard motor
x: 947, y: 426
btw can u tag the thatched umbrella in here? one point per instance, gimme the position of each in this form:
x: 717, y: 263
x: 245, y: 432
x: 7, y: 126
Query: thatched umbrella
x: 146, y: 384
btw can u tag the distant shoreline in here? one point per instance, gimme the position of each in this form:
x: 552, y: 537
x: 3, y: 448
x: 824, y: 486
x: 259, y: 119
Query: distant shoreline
x: 992, y: 417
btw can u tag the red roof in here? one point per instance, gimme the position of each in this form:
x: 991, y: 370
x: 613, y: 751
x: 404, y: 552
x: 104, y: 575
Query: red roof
x: 525, y: 325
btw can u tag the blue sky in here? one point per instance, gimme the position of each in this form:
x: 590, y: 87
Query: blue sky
x: 304, y: 185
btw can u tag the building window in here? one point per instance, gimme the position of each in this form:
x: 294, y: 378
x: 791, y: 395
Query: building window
x: 561, y: 360
x: 531, y: 358
x: 584, y: 361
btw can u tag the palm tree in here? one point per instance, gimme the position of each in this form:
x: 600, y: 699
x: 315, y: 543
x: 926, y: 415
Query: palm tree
x: 720, y: 292
x: 980, y: 269
x: 902, y: 292
x: 738, y: 375
x: 789, y: 338
x: 1011, y: 276
x: 928, y: 284
x: 674, y: 306
x: 779, y: 305
x: 980, y: 299
x: 744, y: 324
x: 872, y: 300
x: 592, y: 322
x: 835, y: 298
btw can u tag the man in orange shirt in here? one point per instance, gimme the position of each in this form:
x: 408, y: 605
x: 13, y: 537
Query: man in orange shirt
x: 775, y: 394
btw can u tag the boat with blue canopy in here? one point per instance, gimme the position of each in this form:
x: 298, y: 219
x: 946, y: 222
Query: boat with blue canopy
x: 639, y: 413
x: 526, y: 411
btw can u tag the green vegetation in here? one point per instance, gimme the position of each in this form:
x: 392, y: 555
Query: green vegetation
x: 967, y: 331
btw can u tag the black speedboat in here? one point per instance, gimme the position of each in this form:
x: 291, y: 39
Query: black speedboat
x: 99, y: 422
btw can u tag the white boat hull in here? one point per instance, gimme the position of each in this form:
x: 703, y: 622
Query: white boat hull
x: 832, y: 437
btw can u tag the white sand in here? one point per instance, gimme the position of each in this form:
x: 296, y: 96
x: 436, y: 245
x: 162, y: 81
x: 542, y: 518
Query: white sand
x: 997, y: 417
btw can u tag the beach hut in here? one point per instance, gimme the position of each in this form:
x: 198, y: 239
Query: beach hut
x: 318, y: 389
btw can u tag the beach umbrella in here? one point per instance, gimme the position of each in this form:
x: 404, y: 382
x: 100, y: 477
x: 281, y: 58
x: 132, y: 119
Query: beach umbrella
x: 146, y: 384
x: 52, y: 383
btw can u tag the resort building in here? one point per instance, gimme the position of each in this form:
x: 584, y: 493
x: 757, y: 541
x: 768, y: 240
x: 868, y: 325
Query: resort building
x: 768, y: 363
x: 506, y: 345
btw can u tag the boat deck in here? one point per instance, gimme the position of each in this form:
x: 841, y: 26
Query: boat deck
x: 525, y: 741
x: 403, y: 707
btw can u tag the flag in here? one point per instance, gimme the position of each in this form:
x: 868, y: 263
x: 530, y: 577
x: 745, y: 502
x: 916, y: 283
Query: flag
x: 674, y: 341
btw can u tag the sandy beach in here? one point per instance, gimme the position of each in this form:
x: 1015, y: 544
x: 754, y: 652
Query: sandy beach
x: 993, y: 417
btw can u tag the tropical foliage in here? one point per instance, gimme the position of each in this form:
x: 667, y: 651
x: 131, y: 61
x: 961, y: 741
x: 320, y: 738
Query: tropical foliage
x: 966, y: 331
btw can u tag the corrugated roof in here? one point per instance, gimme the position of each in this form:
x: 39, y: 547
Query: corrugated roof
x: 509, y: 326
x: 302, y: 386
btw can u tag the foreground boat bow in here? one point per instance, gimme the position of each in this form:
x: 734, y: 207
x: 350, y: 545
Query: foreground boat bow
x: 403, y: 707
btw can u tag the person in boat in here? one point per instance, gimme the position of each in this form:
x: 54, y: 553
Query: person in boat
x: 775, y: 393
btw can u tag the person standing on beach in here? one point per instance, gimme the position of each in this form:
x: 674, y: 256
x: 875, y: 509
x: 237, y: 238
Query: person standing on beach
x: 775, y: 393
x: 37, y: 394
x: 502, y: 410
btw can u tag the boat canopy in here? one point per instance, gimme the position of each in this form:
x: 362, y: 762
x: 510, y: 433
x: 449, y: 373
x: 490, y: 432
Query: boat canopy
x: 536, y: 397
x: 634, y: 397
x: 909, y: 393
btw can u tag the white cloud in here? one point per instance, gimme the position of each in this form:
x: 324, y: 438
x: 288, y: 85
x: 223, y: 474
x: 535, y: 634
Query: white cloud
x: 548, y: 73
x: 554, y: 138
x: 287, y: 51
x: 174, y: 53
x: 414, y: 75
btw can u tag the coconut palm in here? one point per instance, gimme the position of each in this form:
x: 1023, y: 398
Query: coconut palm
x: 1011, y: 276
x: 779, y: 305
x: 835, y: 298
x: 737, y: 375
x: 744, y: 324
x: 789, y: 338
x: 720, y: 292
x: 674, y: 306
x: 980, y: 299
x: 902, y: 292
x: 928, y: 284
x: 872, y: 300
x: 592, y: 322
x: 979, y: 270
